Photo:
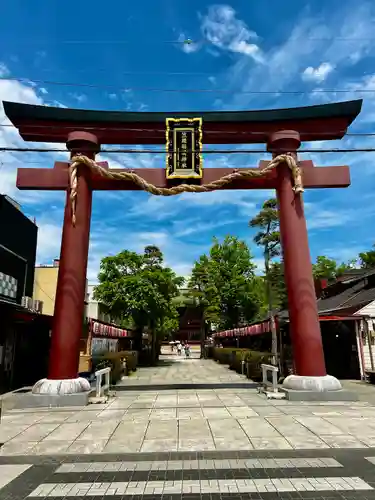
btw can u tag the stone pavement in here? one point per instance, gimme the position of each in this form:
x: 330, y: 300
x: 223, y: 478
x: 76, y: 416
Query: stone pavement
x: 177, y: 370
x: 203, y: 439
x: 327, y: 474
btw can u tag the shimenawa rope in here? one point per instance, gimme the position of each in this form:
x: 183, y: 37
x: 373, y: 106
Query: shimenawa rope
x: 79, y: 160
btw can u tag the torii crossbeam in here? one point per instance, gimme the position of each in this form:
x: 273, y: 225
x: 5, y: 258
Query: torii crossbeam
x: 282, y: 130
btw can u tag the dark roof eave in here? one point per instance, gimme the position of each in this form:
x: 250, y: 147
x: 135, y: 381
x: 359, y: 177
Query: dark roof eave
x: 18, y: 113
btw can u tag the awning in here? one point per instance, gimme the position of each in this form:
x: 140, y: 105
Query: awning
x: 257, y: 329
x: 340, y: 318
x: 103, y: 330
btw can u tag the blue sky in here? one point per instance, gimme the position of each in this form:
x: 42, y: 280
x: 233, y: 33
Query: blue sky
x: 241, y: 46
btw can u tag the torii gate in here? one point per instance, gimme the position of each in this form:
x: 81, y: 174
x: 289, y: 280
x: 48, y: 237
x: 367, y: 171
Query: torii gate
x: 84, y: 131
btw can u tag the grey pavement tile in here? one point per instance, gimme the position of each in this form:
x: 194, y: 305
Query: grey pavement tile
x: 9, y: 472
x: 287, y: 425
x: 36, y: 432
x: 242, y: 412
x: 82, y: 447
x: 126, y: 431
x: 162, y: 429
x: 270, y: 443
x: 67, y: 432
x: 84, y: 416
x: 306, y: 442
x: 114, y: 446
x: 56, y: 417
x: 22, y: 418
x: 342, y: 441
x: 216, y: 413
x: 258, y: 427
x: 163, y: 414
x: 319, y: 425
x: 17, y: 448
x: 189, y: 413
x: 155, y: 445
x: 98, y: 430
x: 8, y: 431
x: 116, y: 414
x: 193, y: 444
x: 266, y: 410
x: 233, y: 444
x: 50, y: 447
x: 195, y: 427
x: 367, y: 440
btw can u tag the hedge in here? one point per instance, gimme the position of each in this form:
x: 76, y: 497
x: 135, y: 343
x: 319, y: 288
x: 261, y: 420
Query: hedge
x: 233, y: 357
x: 114, y: 360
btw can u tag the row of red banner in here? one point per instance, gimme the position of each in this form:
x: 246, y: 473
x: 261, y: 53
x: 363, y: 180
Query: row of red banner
x: 257, y: 329
x: 103, y: 330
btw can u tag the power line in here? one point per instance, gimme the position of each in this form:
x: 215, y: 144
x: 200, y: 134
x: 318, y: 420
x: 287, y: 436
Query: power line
x: 208, y: 151
x: 142, y: 129
x: 178, y: 90
x: 43, y: 291
x: 185, y: 41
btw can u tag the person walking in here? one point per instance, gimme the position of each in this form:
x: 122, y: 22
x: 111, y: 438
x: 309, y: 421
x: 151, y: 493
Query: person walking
x: 179, y: 348
x: 187, y: 351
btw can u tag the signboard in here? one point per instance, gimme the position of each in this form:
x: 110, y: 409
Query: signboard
x: 184, y: 148
x: 8, y: 286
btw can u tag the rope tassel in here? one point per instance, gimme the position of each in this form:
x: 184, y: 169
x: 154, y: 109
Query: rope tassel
x: 181, y: 188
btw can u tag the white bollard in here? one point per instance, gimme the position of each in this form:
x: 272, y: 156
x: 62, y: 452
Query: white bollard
x: 100, y: 389
x: 265, y: 382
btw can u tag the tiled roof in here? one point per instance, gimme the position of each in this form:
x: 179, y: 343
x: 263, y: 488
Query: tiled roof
x: 354, y: 291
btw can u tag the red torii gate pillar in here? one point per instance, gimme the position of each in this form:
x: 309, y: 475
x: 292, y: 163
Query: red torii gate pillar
x: 305, y: 331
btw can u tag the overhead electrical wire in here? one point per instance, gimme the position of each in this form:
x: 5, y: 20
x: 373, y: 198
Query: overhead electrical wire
x: 156, y: 130
x: 181, y: 41
x: 208, y: 151
x: 179, y: 90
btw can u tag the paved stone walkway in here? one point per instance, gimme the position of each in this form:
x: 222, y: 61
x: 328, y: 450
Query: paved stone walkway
x: 223, y: 440
x: 178, y: 370
x: 336, y: 474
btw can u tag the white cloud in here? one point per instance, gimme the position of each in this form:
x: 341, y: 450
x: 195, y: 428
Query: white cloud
x: 186, y: 227
x: 78, y: 97
x: 318, y: 74
x: 324, y: 219
x: 310, y: 41
x: 225, y: 31
x: 49, y: 241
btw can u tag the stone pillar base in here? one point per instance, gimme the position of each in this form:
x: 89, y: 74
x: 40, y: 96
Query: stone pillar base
x: 326, y: 388
x: 61, y: 387
x: 316, y: 384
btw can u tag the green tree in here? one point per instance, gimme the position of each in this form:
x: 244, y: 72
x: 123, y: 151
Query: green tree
x: 326, y: 268
x: 139, y: 289
x: 225, y: 285
x: 278, y: 286
x: 367, y: 259
x: 268, y: 237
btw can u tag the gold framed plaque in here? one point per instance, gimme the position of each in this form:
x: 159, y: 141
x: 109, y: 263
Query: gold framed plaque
x: 184, y: 148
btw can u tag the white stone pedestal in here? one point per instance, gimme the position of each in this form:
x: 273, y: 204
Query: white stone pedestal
x: 61, y: 387
x: 325, y: 388
x: 53, y: 393
x: 317, y: 384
